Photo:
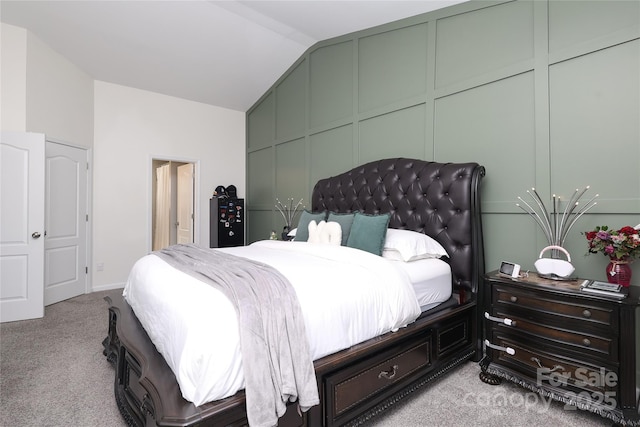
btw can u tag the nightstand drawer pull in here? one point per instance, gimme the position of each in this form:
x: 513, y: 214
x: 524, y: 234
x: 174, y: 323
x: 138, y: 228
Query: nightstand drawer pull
x: 506, y: 320
x: 555, y: 368
x: 513, y: 298
x: 586, y: 342
x: 586, y: 313
x: 497, y: 347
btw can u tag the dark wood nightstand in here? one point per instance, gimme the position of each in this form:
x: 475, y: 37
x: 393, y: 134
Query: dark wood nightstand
x: 556, y: 340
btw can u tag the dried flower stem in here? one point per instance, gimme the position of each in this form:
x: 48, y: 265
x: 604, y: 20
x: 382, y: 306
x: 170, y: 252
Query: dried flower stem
x: 554, y: 224
x: 288, y: 210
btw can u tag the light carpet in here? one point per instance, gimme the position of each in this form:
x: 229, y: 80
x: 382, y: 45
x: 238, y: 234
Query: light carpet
x: 53, y: 373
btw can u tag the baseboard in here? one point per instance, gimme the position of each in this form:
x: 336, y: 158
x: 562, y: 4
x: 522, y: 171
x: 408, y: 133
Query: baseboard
x: 107, y: 287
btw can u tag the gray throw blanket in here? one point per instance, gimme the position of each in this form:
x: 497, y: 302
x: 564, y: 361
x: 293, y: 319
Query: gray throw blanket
x: 275, y: 353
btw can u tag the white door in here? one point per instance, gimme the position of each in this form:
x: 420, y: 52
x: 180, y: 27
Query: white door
x: 185, y: 203
x: 21, y: 226
x: 65, y: 251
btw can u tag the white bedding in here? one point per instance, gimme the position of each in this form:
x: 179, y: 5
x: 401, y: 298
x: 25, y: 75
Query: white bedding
x: 430, y: 278
x: 347, y: 296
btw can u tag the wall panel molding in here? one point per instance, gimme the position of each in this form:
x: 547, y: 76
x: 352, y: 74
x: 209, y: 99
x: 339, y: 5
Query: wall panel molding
x: 539, y: 92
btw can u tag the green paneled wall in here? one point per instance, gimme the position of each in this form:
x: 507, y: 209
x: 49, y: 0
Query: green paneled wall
x: 291, y: 103
x: 391, y: 67
x: 604, y: 129
x: 331, y: 84
x: 261, y: 124
x: 543, y: 94
x: 493, y: 125
x: 399, y: 133
x: 331, y: 152
x: 483, y: 41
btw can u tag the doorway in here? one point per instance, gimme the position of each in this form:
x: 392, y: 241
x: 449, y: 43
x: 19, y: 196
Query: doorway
x: 172, y: 206
x: 66, y: 222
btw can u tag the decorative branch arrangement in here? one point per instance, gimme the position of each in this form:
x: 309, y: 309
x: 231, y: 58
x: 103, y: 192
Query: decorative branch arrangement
x: 556, y: 224
x: 289, y: 211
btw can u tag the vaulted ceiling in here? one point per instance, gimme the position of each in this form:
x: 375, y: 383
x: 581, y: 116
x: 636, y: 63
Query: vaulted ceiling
x: 225, y: 53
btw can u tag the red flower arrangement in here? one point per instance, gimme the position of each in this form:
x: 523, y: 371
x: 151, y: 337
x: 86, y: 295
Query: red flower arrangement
x: 621, y: 244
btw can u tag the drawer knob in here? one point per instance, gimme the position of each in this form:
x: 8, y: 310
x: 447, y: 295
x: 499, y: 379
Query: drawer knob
x: 586, y: 342
x: 390, y: 374
x: 586, y: 313
x: 513, y: 298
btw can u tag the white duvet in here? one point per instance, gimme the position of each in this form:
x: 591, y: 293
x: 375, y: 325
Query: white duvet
x: 347, y: 296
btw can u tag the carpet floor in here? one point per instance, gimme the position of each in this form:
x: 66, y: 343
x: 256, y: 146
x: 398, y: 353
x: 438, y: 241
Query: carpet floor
x: 53, y: 373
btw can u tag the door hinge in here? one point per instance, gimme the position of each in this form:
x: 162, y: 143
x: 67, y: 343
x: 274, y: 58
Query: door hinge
x: 86, y: 270
x: 87, y: 217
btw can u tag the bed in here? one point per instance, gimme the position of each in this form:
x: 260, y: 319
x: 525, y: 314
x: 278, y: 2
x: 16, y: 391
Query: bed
x: 355, y: 379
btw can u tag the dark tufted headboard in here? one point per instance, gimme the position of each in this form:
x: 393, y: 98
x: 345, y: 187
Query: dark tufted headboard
x: 441, y: 200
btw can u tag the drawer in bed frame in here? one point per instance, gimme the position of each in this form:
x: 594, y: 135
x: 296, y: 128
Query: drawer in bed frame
x: 353, y: 391
x: 353, y: 383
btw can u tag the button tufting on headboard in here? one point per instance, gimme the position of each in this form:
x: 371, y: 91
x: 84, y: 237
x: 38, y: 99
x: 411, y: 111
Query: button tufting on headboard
x: 438, y: 199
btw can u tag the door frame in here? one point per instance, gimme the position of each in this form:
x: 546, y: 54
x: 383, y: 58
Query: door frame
x: 150, y: 195
x: 89, y: 223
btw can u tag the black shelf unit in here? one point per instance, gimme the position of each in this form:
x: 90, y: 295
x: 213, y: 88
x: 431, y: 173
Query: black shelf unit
x: 226, y: 222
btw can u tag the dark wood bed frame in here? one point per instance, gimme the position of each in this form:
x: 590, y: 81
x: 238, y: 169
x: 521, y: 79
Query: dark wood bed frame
x: 439, y: 199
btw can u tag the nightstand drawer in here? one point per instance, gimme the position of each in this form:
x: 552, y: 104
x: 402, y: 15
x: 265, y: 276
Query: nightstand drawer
x: 556, y: 371
x: 582, y: 314
x: 592, y: 344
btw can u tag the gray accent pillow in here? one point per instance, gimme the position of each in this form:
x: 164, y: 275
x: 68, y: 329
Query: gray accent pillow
x: 302, y: 234
x: 368, y: 232
x: 345, y: 220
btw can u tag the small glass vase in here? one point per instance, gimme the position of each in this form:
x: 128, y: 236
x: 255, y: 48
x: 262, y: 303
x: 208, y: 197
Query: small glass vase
x: 619, y: 272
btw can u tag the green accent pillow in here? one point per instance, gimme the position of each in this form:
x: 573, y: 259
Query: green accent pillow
x: 368, y: 232
x: 302, y: 233
x: 345, y: 220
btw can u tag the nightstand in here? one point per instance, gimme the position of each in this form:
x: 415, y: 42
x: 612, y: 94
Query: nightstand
x: 556, y: 340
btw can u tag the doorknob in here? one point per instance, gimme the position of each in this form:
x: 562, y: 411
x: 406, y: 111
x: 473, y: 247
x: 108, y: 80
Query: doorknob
x: 35, y: 235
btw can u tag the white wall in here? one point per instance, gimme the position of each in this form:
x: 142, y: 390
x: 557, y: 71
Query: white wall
x: 59, y: 96
x: 13, y: 78
x: 132, y: 127
x: 42, y: 92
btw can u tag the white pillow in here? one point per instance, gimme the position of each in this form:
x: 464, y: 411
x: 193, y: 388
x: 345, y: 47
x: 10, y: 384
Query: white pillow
x: 325, y: 232
x: 406, y: 245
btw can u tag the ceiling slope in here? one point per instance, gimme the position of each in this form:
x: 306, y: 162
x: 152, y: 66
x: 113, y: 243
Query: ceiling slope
x: 223, y: 53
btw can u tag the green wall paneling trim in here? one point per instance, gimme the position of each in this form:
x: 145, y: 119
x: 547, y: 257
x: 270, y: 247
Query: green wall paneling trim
x: 599, y: 142
x: 261, y: 178
x: 478, y: 42
x: 392, y: 66
x: 291, y: 173
x: 541, y: 93
x: 259, y: 225
x: 493, y: 125
x: 261, y: 124
x: 291, y: 103
x: 397, y: 134
x: 331, y: 154
x: 575, y: 23
x: 331, y: 84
